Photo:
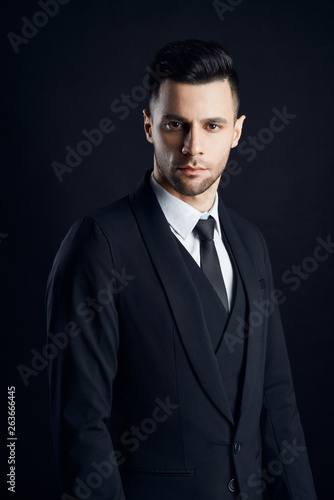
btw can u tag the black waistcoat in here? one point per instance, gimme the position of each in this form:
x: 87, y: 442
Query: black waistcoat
x: 223, y: 327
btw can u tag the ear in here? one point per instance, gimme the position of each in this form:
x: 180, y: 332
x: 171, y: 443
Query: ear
x: 237, y: 130
x: 148, y: 125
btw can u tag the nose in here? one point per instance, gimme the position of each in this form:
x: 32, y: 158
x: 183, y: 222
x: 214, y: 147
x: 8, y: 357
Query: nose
x: 192, y: 143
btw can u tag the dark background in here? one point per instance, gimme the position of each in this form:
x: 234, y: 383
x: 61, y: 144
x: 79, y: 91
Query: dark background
x: 64, y: 80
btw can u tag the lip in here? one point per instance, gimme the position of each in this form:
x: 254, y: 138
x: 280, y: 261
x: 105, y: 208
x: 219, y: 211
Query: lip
x: 192, y: 169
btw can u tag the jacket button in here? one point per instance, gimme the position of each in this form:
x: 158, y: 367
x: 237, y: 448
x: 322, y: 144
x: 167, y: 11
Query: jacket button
x: 231, y: 485
x: 237, y: 447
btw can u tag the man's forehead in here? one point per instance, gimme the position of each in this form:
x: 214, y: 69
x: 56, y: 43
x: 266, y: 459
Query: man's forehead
x: 178, y: 98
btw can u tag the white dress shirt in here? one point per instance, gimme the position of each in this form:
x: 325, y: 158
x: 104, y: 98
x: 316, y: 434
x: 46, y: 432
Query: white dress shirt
x: 182, y: 218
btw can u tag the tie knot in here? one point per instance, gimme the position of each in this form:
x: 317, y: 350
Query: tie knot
x: 205, y: 228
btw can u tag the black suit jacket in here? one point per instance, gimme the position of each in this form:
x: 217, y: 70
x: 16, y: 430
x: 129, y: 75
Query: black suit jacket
x: 138, y: 406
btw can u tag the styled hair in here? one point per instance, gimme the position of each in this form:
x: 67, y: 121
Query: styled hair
x: 195, y: 62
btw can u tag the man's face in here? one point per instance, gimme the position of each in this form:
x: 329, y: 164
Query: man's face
x: 192, y: 129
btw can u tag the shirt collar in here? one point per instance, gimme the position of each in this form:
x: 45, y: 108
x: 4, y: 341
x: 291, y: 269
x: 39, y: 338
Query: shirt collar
x: 181, y: 216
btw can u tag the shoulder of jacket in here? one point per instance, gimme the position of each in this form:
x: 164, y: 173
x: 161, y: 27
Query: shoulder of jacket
x: 109, y: 218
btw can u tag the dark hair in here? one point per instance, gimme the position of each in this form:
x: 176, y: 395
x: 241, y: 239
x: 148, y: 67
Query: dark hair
x: 195, y: 62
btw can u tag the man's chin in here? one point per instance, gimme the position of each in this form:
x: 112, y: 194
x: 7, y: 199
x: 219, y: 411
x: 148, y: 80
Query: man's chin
x: 190, y: 188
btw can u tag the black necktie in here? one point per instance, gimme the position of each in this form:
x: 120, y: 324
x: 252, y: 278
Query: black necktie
x: 209, y: 258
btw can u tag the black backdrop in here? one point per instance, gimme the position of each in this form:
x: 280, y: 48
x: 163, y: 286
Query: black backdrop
x: 63, y: 76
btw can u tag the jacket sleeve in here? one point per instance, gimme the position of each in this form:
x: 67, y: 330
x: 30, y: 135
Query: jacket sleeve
x: 287, y: 473
x: 83, y: 340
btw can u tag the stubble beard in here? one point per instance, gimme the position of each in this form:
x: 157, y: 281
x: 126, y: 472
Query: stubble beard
x: 189, y: 186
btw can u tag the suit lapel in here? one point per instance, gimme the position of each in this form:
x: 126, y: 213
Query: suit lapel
x: 182, y: 295
x: 250, y: 279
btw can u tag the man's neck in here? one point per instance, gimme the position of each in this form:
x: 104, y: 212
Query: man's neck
x: 202, y: 202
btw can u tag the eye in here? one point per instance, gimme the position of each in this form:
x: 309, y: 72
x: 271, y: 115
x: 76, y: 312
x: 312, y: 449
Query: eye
x: 213, y: 126
x: 173, y: 125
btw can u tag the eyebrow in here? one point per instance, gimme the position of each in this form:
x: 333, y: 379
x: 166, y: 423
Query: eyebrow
x: 214, y: 119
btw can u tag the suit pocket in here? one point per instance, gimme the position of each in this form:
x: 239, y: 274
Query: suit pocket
x: 161, y: 472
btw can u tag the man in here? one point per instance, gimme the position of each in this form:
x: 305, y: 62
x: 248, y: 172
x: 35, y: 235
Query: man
x: 173, y: 381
